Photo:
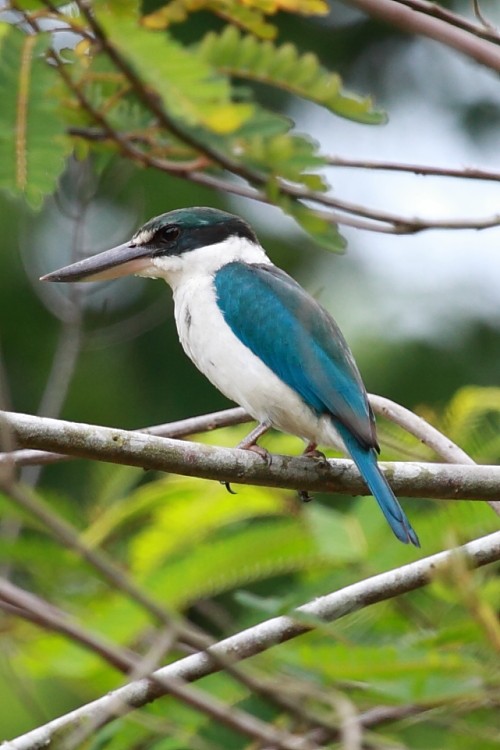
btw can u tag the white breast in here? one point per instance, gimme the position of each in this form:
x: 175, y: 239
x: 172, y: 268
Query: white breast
x: 235, y: 370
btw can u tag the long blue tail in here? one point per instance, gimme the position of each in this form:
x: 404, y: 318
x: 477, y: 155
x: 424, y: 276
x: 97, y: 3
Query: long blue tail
x: 366, y: 461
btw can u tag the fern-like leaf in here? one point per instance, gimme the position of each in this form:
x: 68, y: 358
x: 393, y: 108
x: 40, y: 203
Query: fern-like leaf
x: 245, y: 56
x: 188, y: 86
x: 33, y: 145
x: 242, y: 15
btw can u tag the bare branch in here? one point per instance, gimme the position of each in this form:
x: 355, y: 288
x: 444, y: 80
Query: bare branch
x: 339, y: 211
x: 408, y: 479
x: 426, y: 170
x: 36, y: 610
x: 429, y: 435
x: 178, y: 429
x: 67, y: 535
x: 416, y: 20
x: 259, y: 638
x: 15, y: 601
x: 415, y: 425
x: 479, y: 15
x: 484, y: 31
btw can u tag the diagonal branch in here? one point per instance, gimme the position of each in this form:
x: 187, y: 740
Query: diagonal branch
x: 483, y: 30
x: 33, y: 608
x: 417, y: 20
x: 267, y: 634
x: 410, y: 479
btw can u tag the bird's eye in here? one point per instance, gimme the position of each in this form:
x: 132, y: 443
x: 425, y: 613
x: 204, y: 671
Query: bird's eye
x: 169, y: 234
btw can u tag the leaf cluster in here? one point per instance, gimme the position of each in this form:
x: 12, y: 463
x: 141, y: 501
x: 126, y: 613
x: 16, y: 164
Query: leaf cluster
x: 125, y: 84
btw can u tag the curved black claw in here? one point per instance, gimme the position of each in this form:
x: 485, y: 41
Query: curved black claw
x: 304, y: 496
x: 228, y: 487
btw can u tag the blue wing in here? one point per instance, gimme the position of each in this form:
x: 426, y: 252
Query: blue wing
x: 297, y: 339
x: 300, y: 342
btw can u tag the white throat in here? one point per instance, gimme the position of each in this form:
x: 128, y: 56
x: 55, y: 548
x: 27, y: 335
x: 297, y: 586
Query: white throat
x: 204, y: 261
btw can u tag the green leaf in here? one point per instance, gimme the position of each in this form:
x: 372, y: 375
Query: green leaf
x: 472, y: 419
x: 246, y: 56
x: 324, y: 232
x: 245, y: 17
x: 188, y: 86
x: 33, y: 145
x: 252, y: 553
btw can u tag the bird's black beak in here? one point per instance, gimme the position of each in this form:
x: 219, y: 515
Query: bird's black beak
x: 122, y: 260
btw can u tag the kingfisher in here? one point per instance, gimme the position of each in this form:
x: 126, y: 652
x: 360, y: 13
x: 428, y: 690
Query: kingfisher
x: 257, y: 335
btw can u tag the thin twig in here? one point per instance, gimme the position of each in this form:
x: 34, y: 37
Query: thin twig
x: 414, y: 18
x: 64, y: 532
x: 479, y: 15
x: 465, y: 173
x: 484, y: 31
x: 419, y: 428
x: 36, y: 610
x: 340, y: 212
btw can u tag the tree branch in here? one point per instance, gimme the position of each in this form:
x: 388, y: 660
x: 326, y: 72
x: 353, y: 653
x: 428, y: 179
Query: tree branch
x: 483, y: 31
x: 415, y: 21
x: 33, y: 608
x: 465, y: 173
x: 179, y: 429
x: 410, y: 479
x: 259, y: 638
x: 428, y: 434
x: 340, y: 212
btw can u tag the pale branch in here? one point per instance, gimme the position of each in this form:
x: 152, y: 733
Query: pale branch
x: 427, y: 434
x: 22, y: 604
x: 483, y: 30
x: 178, y: 429
x: 419, y: 428
x: 415, y: 21
x: 178, y: 628
x: 229, y: 715
x: 410, y: 479
x: 15, y: 601
x: 425, y: 170
x: 27, y: 606
x: 392, y: 411
x: 267, y: 634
